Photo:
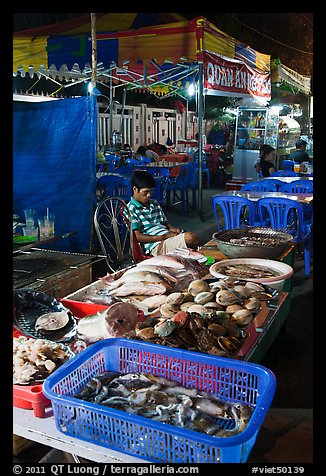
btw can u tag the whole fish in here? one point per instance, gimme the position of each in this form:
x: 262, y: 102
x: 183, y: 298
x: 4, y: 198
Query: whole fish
x: 137, y: 276
x: 144, y: 288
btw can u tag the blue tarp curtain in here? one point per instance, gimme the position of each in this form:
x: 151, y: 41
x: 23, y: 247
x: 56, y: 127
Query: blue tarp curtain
x: 54, y: 165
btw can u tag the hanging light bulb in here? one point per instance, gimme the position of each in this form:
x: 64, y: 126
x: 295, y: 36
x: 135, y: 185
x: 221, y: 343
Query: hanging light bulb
x: 191, y: 90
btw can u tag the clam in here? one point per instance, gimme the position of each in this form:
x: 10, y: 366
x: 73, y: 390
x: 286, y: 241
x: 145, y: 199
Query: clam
x: 198, y: 286
x: 165, y: 327
x: 175, y: 298
x: 168, y: 310
x: 242, y: 317
x: 146, y: 333
x: 217, y: 329
x: 229, y: 344
x: 221, y: 315
x: 205, y: 339
x: 225, y: 297
x: 198, y: 308
x: 187, y: 297
x: 254, y: 286
x: 185, y: 306
x: 242, y: 291
x: 253, y: 304
x: 204, y: 297
x: 196, y: 323
x: 217, y: 286
x: 214, y: 305
x: 233, y: 308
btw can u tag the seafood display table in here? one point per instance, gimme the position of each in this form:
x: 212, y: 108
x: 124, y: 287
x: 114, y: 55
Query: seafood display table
x: 44, y: 431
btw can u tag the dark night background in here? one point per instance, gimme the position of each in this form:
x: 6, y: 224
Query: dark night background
x: 287, y: 36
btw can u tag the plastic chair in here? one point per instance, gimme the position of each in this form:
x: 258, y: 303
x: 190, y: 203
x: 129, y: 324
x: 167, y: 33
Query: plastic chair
x: 287, y: 164
x: 186, y: 179
x: 238, y: 211
x: 298, y: 186
x: 205, y: 169
x: 284, y: 173
x: 112, y: 221
x: 260, y: 186
x: 287, y: 215
x: 114, y: 186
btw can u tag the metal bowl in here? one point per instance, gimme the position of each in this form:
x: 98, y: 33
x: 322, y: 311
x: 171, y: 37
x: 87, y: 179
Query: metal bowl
x: 265, y: 242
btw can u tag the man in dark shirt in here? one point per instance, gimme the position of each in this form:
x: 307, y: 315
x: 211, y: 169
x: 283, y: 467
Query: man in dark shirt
x: 300, y: 155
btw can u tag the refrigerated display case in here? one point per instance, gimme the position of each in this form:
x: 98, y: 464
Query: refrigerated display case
x: 255, y: 126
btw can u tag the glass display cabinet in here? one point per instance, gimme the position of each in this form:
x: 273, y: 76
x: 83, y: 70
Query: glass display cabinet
x: 254, y: 127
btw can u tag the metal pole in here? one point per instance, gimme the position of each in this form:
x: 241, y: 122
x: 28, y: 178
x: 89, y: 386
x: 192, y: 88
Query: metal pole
x: 122, y: 114
x: 111, y: 114
x: 200, y: 98
x: 94, y: 49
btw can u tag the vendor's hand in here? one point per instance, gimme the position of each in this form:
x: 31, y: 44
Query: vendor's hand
x: 175, y: 230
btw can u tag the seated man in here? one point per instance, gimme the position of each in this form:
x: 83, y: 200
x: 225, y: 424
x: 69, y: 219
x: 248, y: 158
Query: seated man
x: 300, y: 155
x: 149, y: 221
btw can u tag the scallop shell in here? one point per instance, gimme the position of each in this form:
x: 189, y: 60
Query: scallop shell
x: 225, y: 297
x: 204, y: 297
x: 175, y: 299
x: 198, y: 286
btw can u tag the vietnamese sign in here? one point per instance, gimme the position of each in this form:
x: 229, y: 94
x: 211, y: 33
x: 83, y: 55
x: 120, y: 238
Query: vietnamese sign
x: 234, y: 78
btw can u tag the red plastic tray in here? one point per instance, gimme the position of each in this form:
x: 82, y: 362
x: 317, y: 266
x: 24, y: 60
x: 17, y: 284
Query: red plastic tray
x: 81, y: 309
x: 31, y: 397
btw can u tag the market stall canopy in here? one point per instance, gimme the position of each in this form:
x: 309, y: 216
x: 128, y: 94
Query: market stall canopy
x: 286, y: 81
x: 64, y: 50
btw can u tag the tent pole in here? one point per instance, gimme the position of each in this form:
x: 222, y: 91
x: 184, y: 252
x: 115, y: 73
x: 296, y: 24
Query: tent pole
x: 124, y: 92
x: 200, y: 138
x: 94, y: 50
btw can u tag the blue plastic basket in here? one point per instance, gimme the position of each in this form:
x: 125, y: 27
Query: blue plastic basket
x: 148, y: 439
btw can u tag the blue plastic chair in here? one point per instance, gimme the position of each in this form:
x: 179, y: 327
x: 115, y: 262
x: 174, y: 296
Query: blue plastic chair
x: 238, y: 212
x: 284, y: 173
x: 185, y: 180
x: 115, y: 186
x: 287, y: 164
x: 298, y: 186
x: 260, y: 186
x: 287, y: 215
x: 205, y: 169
